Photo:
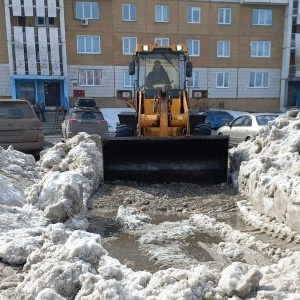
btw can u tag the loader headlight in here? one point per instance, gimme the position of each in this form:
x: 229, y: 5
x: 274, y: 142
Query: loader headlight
x: 178, y: 47
x: 145, y: 47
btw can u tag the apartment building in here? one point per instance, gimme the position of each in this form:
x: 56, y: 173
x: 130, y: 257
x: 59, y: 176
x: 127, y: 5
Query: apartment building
x: 244, y: 52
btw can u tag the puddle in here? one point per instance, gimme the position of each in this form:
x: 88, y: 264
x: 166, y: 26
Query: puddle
x: 125, y: 247
x: 192, y: 248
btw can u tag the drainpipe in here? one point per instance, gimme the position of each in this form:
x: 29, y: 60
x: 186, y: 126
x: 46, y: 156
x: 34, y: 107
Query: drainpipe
x: 64, y: 54
x: 9, y: 49
x: 13, y: 88
x: 36, y: 90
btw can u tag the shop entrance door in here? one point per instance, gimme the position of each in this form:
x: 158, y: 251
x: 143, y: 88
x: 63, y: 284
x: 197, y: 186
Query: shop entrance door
x: 52, y: 93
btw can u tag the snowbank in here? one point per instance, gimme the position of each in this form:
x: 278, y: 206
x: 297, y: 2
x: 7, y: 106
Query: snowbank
x: 268, y: 170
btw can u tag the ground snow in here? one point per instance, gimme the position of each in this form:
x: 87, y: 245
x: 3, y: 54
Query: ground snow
x: 63, y: 261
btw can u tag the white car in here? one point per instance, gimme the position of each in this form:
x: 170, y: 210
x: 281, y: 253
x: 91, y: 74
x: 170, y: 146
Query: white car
x: 246, y: 126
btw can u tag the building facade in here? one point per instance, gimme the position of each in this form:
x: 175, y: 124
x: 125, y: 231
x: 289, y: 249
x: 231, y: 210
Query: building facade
x: 244, y: 52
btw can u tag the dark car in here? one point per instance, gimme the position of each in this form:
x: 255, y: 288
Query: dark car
x: 83, y: 119
x: 217, y: 118
x: 20, y: 127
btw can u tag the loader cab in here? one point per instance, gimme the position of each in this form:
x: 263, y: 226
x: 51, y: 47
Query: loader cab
x: 172, y: 64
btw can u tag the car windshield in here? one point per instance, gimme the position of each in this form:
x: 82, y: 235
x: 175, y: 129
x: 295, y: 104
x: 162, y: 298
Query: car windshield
x: 15, y: 110
x: 264, y: 119
x: 160, y: 68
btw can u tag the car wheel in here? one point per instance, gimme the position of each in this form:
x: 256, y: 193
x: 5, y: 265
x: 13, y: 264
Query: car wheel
x: 220, y: 133
x: 248, y: 138
x: 201, y: 129
x: 124, y: 130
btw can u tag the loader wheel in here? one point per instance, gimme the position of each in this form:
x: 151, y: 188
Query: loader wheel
x: 123, y: 130
x: 201, y: 129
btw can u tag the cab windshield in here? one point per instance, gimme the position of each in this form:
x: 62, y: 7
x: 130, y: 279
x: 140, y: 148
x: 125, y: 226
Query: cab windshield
x: 157, y: 70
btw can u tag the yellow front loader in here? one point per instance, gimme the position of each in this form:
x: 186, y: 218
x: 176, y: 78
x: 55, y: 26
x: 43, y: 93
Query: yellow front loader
x: 163, y: 140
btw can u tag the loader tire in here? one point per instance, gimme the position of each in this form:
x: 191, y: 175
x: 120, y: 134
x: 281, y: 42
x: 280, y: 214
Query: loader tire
x: 123, y: 130
x: 201, y: 129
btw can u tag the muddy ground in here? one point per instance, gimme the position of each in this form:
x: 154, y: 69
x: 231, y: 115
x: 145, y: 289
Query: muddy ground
x: 173, y: 197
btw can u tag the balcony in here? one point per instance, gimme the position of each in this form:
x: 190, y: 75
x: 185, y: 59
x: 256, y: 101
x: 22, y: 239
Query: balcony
x: 264, y: 2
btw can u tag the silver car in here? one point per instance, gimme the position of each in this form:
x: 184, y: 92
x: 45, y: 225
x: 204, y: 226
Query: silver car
x: 246, y: 126
x: 83, y: 119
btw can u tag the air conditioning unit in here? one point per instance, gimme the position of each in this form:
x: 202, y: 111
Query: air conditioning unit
x: 84, y: 22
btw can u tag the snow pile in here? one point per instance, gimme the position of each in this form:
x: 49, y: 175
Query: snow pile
x: 131, y: 218
x: 74, y: 173
x: 60, y: 196
x: 14, y: 196
x: 17, y: 164
x: 266, y: 224
x: 227, y: 233
x: 239, y: 280
x: 268, y: 170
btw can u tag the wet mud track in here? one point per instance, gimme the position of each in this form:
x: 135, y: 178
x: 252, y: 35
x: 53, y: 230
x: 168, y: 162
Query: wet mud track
x: 170, y: 206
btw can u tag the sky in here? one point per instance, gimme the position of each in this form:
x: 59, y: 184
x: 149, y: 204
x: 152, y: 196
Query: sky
x: 43, y: 227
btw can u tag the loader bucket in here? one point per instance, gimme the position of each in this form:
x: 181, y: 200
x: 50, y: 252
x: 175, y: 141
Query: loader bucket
x: 198, y: 159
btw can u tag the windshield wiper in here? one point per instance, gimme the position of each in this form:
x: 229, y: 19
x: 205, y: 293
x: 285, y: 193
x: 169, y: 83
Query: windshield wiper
x: 169, y: 62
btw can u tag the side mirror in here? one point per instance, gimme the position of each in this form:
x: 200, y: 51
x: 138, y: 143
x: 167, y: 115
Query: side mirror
x: 189, y: 69
x: 131, y: 67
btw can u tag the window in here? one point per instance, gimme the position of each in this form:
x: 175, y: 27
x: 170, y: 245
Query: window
x: 129, y: 12
x: 260, y: 49
x: 87, y: 10
x: 161, y: 13
x: 88, y: 44
x: 44, y: 21
x: 259, y: 80
x: 128, y: 80
x: 22, y: 21
x: 162, y: 41
x: 129, y: 44
x: 223, y: 49
x: 194, y: 80
x: 89, y: 77
x: 194, y: 47
x: 193, y: 14
x: 239, y: 122
x: 27, y: 91
x: 222, y: 79
x: 224, y: 16
x: 262, y: 17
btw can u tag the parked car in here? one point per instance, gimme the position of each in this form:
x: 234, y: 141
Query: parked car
x: 20, y: 127
x: 217, y: 118
x: 85, y: 102
x: 246, y: 127
x: 83, y: 119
